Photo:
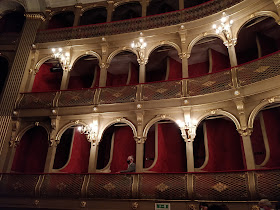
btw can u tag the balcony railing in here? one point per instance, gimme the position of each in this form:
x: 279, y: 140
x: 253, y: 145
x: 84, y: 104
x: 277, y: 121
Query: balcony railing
x: 247, y: 74
x: 137, y: 24
x: 220, y: 186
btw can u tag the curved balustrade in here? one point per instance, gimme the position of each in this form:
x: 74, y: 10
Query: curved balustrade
x: 137, y: 24
x: 247, y: 74
x: 220, y: 186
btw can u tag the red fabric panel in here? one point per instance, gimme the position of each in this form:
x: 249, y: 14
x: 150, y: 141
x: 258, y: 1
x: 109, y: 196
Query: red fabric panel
x: 224, y: 146
x: 77, y: 82
x: 258, y: 142
x: 219, y: 61
x: 116, y: 80
x: 96, y: 77
x: 79, y: 155
x: 124, y: 146
x: 150, y: 148
x: 198, y: 69
x: 45, y: 80
x: 134, y: 75
x: 30, y: 156
x: 171, y: 149
x: 272, y: 123
x: 175, y: 69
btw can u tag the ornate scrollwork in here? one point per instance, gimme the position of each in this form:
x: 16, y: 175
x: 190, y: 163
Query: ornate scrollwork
x: 245, y: 131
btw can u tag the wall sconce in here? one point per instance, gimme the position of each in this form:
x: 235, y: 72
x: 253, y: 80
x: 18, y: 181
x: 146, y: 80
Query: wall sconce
x: 90, y: 131
x: 225, y: 29
x: 64, y: 59
x: 186, y: 128
x: 140, y: 46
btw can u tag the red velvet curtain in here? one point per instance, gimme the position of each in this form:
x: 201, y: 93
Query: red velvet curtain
x: 224, y: 146
x: 272, y: 123
x: 219, y: 61
x: 80, y: 152
x: 198, y: 69
x: 149, y: 155
x: 134, y: 75
x: 45, y: 80
x: 116, y: 80
x: 171, y: 149
x: 258, y: 143
x: 124, y: 146
x: 175, y: 69
x: 31, y: 153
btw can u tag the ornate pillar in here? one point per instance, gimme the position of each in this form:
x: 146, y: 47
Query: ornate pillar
x: 52, y: 145
x: 142, y: 72
x: 145, y: 4
x: 232, y: 55
x: 184, y: 55
x: 181, y: 4
x: 103, y: 65
x: 65, y: 80
x: 93, y: 157
x: 78, y: 14
x: 189, y: 151
x: 15, y: 81
x: 110, y: 10
x: 140, y: 141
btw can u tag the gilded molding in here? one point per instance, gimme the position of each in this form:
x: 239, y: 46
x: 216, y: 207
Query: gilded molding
x: 35, y: 16
x: 245, y: 131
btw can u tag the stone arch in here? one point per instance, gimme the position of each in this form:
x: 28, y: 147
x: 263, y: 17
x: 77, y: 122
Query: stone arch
x: 65, y: 127
x: 202, y: 36
x: 157, y: 45
x: 82, y: 54
x: 247, y: 19
x: 41, y: 62
x: 119, y: 120
x: 117, y: 51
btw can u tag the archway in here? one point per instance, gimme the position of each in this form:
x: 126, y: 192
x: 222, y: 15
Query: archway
x: 165, y: 149
x: 164, y: 64
x: 72, y: 153
x: 123, y: 69
x: 117, y: 143
x: 127, y: 11
x: 62, y: 20
x: 257, y: 38
x: 49, y: 76
x: 208, y: 55
x: 85, y: 73
x: 31, y: 153
x: 94, y: 16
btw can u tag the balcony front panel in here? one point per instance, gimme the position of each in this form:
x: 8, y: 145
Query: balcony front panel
x: 37, y: 100
x: 76, y: 98
x: 113, y: 95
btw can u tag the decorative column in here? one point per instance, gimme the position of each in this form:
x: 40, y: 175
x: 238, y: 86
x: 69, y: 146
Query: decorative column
x: 93, y: 157
x: 78, y: 14
x: 181, y: 4
x: 189, y: 151
x: 110, y: 10
x: 53, y: 143
x: 15, y: 81
x: 232, y: 54
x: 142, y: 71
x: 65, y: 80
x: 140, y: 141
x: 184, y: 55
x: 144, y: 4
x: 103, y: 65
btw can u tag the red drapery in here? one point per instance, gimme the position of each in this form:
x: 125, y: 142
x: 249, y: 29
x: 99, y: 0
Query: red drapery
x: 134, y: 75
x: 116, y: 80
x: 30, y: 156
x: 224, y: 146
x: 171, y: 149
x: 124, y: 146
x: 198, y: 69
x: 272, y: 123
x: 219, y: 61
x: 79, y: 158
x: 45, y: 80
x: 175, y: 69
x: 150, y: 148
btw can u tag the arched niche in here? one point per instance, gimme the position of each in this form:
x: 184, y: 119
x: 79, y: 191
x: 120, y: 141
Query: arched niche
x: 162, y: 6
x: 85, y: 73
x: 218, y: 145
x: 3, y: 72
x: 192, y: 3
x: 208, y: 55
x: 265, y: 136
x: 94, y: 16
x: 127, y: 11
x: 164, y: 64
x: 31, y: 153
x: 165, y: 149
x: 62, y: 20
x: 48, y: 77
x: 123, y: 69
x: 117, y: 143
x: 256, y: 38
x: 73, y: 151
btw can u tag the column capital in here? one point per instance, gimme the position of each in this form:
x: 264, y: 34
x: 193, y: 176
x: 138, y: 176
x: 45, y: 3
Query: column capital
x: 140, y: 139
x: 35, y: 16
x: 245, y: 131
x: 184, y: 55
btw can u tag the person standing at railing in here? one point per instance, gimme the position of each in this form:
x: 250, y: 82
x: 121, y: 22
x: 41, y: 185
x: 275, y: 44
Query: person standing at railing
x: 265, y: 204
x: 131, y: 165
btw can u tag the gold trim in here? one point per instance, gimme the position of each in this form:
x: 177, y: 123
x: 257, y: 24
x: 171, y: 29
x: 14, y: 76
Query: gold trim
x: 35, y: 16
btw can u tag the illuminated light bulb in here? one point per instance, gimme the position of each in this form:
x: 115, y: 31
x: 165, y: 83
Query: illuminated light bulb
x: 53, y: 50
x: 132, y: 44
x: 217, y: 31
x: 231, y: 22
x: 141, y: 40
x: 60, y: 49
x: 67, y: 54
x: 145, y: 44
x: 220, y: 28
x: 223, y: 19
x: 214, y: 26
x: 180, y: 123
x: 80, y: 128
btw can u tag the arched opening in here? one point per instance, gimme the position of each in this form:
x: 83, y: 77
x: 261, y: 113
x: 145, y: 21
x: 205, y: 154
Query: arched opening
x: 31, y: 153
x: 127, y: 11
x: 164, y: 64
x: 49, y: 76
x: 257, y: 38
x: 85, y: 73
x: 123, y: 70
x: 192, y: 3
x: 117, y: 143
x: 62, y: 20
x: 72, y: 153
x: 94, y: 16
x: 265, y: 137
x: 165, y: 149
x: 208, y: 55
x: 3, y: 72
x: 218, y: 136
x: 162, y: 6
